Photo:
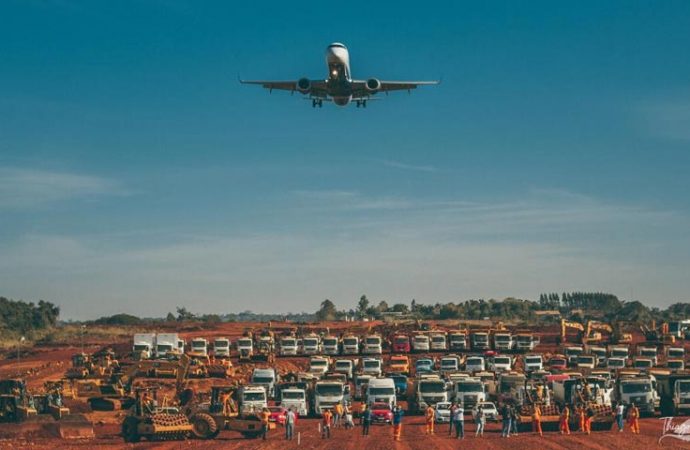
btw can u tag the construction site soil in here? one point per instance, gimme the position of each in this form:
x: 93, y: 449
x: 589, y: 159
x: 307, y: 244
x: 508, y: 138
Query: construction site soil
x: 44, y: 363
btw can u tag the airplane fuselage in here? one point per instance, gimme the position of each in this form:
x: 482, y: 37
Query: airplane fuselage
x: 339, y: 78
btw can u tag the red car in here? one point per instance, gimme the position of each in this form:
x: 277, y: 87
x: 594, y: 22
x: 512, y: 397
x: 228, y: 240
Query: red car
x: 381, y: 413
x: 279, y: 415
x: 558, y: 362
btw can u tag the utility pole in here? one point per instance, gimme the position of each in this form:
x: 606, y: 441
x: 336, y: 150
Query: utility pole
x: 82, y: 333
x: 19, y: 350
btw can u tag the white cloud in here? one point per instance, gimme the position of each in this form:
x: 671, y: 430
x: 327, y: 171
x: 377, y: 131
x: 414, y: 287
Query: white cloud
x: 26, y: 188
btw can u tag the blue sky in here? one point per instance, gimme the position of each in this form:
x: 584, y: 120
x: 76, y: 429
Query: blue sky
x: 136, y: 174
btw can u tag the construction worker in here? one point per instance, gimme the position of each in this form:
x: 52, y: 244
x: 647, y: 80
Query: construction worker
x: 362, y: 407
x: 536, y: 420
x: 224, y: 400
x: 430, y: 416
x: 634, y: 418
x: 397, y: 422
x: 514, y: 417
x: 450, y: 422
x: 580, y: 411
x: 620, y: 413
x: 337, y: 414
x: 458, y: 419
x: 289, y: 424
x: 540, y: 392
x: 564, y: 426
x: 480, y: 420
x: 589, y: 413
x: 505, y: 415
x: 265, y: 419
x: 326, y: 424
x: 365, y: 420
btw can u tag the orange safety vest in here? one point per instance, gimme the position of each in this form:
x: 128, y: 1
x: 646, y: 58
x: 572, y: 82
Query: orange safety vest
x: 265, y: 416
x: 430, y: 414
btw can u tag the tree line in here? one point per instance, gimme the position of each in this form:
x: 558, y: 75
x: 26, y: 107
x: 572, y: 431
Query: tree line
x: 17, y: 316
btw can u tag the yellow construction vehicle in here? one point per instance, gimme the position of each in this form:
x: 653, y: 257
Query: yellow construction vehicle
x: 223, y: 414
x: 565, y: 324
x: 593, y: 330
x: 147, y: 420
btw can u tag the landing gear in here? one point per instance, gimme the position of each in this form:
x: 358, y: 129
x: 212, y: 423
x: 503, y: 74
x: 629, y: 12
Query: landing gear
x: 361, y: 103
x: 316, y: 102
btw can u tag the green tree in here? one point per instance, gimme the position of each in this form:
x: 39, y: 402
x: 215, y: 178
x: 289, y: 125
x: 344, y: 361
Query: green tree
x: 362, y: 305
x: 327, y: 311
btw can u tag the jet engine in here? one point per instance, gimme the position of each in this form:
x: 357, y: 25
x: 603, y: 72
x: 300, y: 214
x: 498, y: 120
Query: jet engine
x: 373, y: 84
x: 304, y: 85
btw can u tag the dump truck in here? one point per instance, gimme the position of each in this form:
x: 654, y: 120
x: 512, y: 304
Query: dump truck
x: 457, y: 340
x: 674, y: 393
x: 429, y: 390
x: 350, y: 345
x: 400, y: 343
x: 479, y: 340
x: 330, y: 345
x: 502, y: 341
x: 144, y: 345
x: 221, y: 347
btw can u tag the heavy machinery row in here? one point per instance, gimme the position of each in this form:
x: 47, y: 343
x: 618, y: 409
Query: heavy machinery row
x: 415, y: 366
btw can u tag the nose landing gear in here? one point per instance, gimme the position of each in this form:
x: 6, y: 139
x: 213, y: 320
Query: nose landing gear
x: 361, y: 103
x: 316, y: 102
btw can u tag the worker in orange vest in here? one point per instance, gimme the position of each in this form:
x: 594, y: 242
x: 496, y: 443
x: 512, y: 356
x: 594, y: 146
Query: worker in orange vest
x: 634, y: 419
x: 563, y: 426
x: 430, y: 416
x: 589, y: 413
x: 265, y: 419
x: 536, y: 420
x: 581, y: 417
x: 326, y: 424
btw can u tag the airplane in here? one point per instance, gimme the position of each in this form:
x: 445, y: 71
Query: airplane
x: 339, y: 87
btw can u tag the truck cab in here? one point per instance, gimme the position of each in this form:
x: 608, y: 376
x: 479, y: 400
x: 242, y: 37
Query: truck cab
x: 457, y: 341
x: 501, y: 363
x: 480, y: 341
x: 346, y: 366
x: 638, y: 390
x: 475, y: 364
x: 641, y: 363
x: 245, y: 347
x: 533, y: 363
x: 424, y: 365
x: 373, y: 345
x: 311, y: 345
x: 503, y: 341
x: 288, y: 346
x: 372, y: 366
x: 586, y: 361
x: 350, y: 345
x: 401, y: 343
x: 558, y: 362
x: 331, y: 345
x: 295, y: 398
x: 469, y: 391
x: 675, y: 353
x: 400, y: 364
x: 252, y: 399
x: 199, y: 347
x: 327, y: 394
x: 525, y: 342
x: 420, y: 343
x: 400, y: 382
x: 221, y: 347
x: 265, y: 378
x: 449, y: 364
x: 675, y: 365
x: 166, y: 345
x: 381, y: 390
x: 361, y: 382
x: 438, y: 342
x: 430, y: 390
x: 615, y: 363
x: 649, y: 353
x: 319, y: 365
x: 600, y: 353
x: 681, y: 397
x: 144, y: 345
x: 619, y: 352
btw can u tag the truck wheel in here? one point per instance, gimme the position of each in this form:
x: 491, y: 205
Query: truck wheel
x: 204, y: 426
x: 130, y: 429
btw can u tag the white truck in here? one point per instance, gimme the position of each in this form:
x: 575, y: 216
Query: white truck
x: 372, y: 366
x: 311, y: 344
x: 166, y: 345
x: 457, y: 341
x: 245, y: 344
x: 361, y: 382
x: 288, y: 346
x: 327, y: 394
x: 373, y: 345
x: 199, y: 346
x: 479, y: 341
x: 346, y: 366
x: 381, y: 390
x: 252, y: 399
x: 501, y: 363
x: 675, y: 353
x: 350, y: 345
x: 526, y: 342
x: 572, y: 352
x: 475, y: 364
x: 429, y: 390
x: 221, y: 347
x: 533, y: 363
x: 449, y: 364
x: 587, y: 361
x: 615, y: 363
x: 639, y: 390
x: 681, y: 396
x: 648, y: 352
x: 420, y: 343
x: 331, y: 345
x: 503, y: 341
x: 469, y: 391
x: 619, y: 352
x: 295, y: 398
x: 439, y: 342
x: 319, y: 365
x: 266, y: 378
x: 144, y: 345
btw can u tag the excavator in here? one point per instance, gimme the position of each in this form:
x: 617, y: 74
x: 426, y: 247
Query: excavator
x: 593, y: 331
x: 565, y: 324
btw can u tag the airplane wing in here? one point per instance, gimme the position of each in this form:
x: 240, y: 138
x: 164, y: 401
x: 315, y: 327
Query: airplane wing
x: 318, y: 87
x: 359, y: 87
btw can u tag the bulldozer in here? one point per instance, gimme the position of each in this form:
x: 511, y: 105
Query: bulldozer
x: 147, y: 420
x: 222, y: 413
x: 40, y: 412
